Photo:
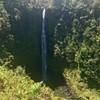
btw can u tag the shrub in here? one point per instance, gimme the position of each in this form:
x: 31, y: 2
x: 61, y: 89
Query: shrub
x: 15, y: 84
x: 73, y: 78
x: 80, y: 44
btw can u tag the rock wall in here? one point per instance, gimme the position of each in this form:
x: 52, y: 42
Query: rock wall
x: 26, y: 28
x: 26, y: 19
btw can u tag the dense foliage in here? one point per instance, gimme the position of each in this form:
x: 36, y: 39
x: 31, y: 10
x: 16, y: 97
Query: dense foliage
x: 76, y: 40
x: 73, y: 77
x: 77, y: 37
x: 15, y: 84
x: 4, y: 24
x: 6, y: 38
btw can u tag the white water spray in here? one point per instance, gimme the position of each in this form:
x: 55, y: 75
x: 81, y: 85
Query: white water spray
x: 43, y: 14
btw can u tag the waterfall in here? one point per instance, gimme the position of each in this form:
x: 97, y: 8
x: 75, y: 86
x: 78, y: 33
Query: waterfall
x: 44, y: 51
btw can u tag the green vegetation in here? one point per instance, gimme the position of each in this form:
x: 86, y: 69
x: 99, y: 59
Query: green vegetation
x: 79, y: 44
x: 79, y: 86
x: 74, y: 37
x: 15, y: 84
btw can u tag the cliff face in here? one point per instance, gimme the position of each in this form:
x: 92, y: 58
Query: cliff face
x: 30, y: 4
x: 36, y: 3
x: 26, y: 18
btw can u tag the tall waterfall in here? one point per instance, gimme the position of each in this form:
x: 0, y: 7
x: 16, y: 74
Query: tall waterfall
x: 44, y: 51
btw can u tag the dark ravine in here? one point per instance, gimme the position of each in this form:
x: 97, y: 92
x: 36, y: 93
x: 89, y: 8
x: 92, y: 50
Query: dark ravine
x: 26, y: 26
x: 26, y: 23
x: 38, y: 30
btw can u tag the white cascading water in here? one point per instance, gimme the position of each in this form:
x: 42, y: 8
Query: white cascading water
x: 44, y: 51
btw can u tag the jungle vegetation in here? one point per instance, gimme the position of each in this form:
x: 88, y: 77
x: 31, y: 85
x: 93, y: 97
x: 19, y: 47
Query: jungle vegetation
x: 75, y: 39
